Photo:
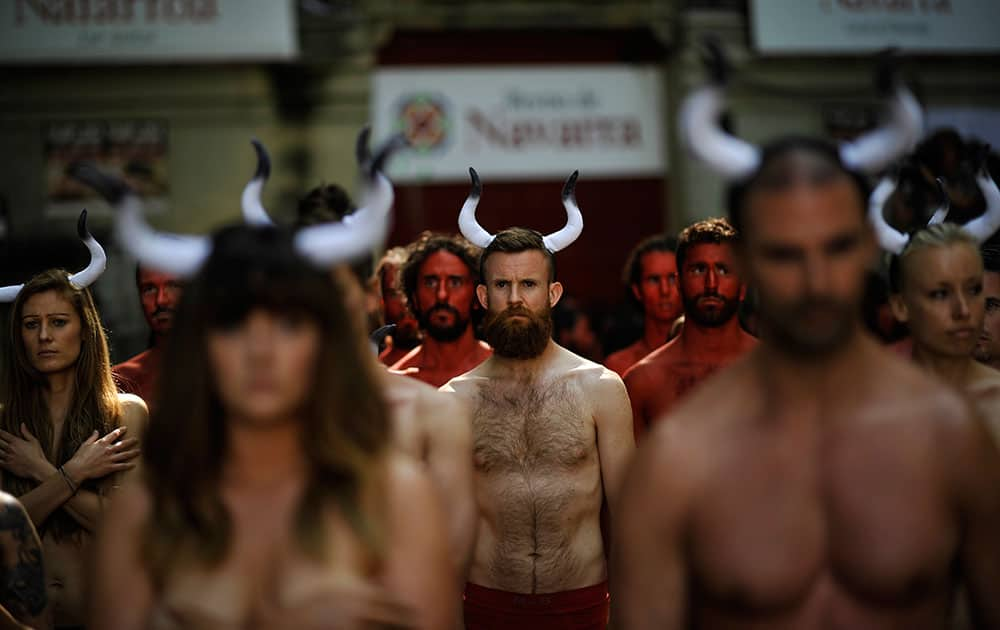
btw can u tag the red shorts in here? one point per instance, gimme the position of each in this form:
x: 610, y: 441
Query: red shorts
x: 580, y: 609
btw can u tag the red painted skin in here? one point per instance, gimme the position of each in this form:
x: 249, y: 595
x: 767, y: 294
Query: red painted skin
x: 396, y: 311
x: 656, y: 383
x: 444, y: 279
x: 660, y: 297
x: 159, y: 294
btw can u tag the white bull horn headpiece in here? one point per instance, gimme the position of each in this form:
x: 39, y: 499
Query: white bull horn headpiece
x: 737, y: 159
x: 327, y: 244
x: 480, y: 237
x: 183, y: 255
x: 86, y: 277
x: 254, y: 212
x: 179, y: 255
x: 894, y: 241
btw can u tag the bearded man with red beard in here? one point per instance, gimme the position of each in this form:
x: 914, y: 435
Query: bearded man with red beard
x: 552, y: 436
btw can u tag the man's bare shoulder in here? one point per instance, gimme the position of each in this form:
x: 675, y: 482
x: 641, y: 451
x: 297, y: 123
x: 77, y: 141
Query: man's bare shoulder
x: 619, y: 362
x: 466, y: 385
x: 134, y: 364
x: 653, y: 365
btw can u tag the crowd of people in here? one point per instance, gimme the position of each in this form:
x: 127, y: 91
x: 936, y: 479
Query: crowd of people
x: 262, y: 465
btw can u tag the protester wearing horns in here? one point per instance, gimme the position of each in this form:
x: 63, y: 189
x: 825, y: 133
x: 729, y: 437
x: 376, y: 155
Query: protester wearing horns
x: 821, y: 481
x: 552, y: 435
x: 937, y: 291
x: 288, y: 509
x: 63, y: 442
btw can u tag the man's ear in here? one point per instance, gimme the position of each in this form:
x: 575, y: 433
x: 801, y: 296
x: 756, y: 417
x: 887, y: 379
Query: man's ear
x: 555, y: 293
x: 636, y: 292
x: 481, y: 294
x: 899, y: 309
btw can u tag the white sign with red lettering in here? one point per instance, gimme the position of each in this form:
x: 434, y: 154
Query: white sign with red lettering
x: 128, y: 31
x: 862, y: 26
x: 531, y: 122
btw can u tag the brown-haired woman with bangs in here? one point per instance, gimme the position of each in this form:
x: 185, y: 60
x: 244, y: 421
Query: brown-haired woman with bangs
x: 63, y: 428
x: 270, y: 498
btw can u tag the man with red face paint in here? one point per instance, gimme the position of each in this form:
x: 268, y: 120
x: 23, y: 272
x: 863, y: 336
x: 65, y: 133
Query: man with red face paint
x: 395, y: 308
x: 440, y: 280
x: 651, y: 274
x: 159, y: 295
x: 711, y: 338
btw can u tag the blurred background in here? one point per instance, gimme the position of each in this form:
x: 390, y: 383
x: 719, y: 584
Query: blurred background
x: 170, y: 92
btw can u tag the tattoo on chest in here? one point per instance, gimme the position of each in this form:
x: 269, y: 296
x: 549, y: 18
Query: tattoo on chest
x: 22, y: 579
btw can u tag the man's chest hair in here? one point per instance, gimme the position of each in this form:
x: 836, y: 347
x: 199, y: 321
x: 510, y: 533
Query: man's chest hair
x: 531, y: 426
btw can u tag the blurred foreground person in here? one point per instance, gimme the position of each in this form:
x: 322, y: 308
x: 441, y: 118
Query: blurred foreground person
x: 23, y: 601
x: 651, y: 276
x: 552, y: 438
x: 270, y: 498
x: 821, y: 482
x: 64, y: 425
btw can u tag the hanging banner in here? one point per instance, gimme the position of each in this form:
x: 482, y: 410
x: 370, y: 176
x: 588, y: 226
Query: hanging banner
x: 135, y: 150
x: 522, y: 122
x: 130, y: 31
x: 864, y: 26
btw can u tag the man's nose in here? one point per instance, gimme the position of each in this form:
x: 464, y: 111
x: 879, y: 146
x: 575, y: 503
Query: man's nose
x: 664, y: 286
x: 442, y: 291
x: 817, y: 276
x: 162, y: 297
x: 712, y: 279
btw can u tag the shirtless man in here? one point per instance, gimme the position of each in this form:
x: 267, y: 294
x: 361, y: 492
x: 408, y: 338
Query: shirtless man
x: 23, y: 600
x: 651, y: 275
x: 988, y: 346
x: 395, y: 310
x: 821, y: 481
x: 159, y: 294
x: 711, y: 338
x: 429, y: 426
x: 434, y: 429
x: 552, y: 437
x: 439, y: 278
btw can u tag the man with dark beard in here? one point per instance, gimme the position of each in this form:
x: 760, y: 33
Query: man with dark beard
x: 439, y: 278
x: 159, y: 295
x: 711, y: 338
x: 552, y: 436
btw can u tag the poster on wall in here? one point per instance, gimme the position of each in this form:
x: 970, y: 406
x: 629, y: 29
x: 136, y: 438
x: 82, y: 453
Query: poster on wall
x: 135, y: 150
x: 532, y: 122
x: 147, y: 31
x: 865, y: 26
